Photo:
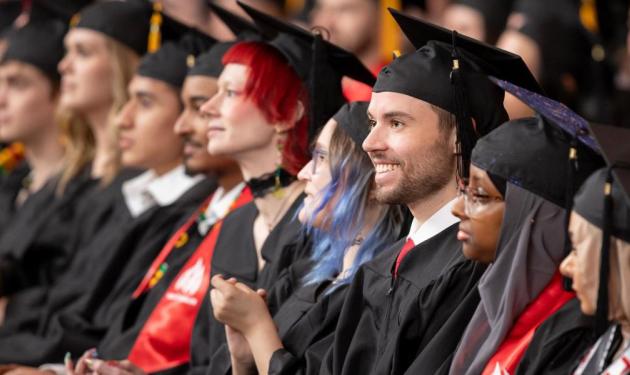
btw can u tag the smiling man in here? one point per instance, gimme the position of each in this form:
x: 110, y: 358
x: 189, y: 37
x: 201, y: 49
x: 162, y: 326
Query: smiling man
x: 406, y: 310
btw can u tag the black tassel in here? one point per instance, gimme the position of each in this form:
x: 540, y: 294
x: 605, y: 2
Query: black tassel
x: 569, y: 193
x: 316, y: 80
x: 601, y: 316
x: 466, y: 135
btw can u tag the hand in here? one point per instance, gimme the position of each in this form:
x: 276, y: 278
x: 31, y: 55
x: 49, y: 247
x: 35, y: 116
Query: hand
x: 239, y: 348
x: 237, y: 305
x: 101, y: 367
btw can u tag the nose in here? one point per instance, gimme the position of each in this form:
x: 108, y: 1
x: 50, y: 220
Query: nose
x: 3, y: 95
x: 210, y: 107
x: 125, y: 116
x: 458, y: 208
x: 567, y: 266
x: 64, y: 65
x: 182, y: 128
x: 374, y: 141
x: 305, y: 173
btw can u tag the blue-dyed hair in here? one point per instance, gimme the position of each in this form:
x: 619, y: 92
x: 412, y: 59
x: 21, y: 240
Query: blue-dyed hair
x: 347, y: 197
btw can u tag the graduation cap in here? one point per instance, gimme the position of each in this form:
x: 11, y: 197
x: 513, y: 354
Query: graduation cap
x: 319, y: 63
x: 210, y: 63
x: 532, y: 154
x: 61, y: 9
x: 604, y: 200
x: 571, y: 123
x: 490, y: 59
x: 170, y: 63
x: 450, y: 71
x: 352, y: 118
x: 137, y: 24
x: 243, y: 29
x: 38, y: 43
x: 494, y: 13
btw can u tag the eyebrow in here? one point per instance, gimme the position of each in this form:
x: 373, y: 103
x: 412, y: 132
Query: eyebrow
x: 393, y: 114
x: 197, y: 98
x: 320, y: 147
x: 144, y: 94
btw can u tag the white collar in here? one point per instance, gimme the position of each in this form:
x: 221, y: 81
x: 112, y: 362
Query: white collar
x: 148, y: 189
x: 438, y: 222
x: 219, y: 206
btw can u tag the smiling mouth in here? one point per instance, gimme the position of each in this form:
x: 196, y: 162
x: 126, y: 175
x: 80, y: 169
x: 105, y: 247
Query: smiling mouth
x: 385, y: 167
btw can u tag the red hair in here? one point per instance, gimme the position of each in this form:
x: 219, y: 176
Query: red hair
x: 275, y: 88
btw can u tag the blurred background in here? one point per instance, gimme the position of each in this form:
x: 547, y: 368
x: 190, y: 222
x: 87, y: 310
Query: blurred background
x: 577, y: 49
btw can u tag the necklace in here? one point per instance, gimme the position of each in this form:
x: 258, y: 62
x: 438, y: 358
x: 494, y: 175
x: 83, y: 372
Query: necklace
x: 264, y: 184
x: 277, y: 216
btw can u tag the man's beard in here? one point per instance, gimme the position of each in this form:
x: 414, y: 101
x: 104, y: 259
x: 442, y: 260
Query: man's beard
x: 423, y: 177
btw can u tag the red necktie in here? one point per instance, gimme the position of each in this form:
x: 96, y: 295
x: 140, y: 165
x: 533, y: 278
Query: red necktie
x: 403, y: 253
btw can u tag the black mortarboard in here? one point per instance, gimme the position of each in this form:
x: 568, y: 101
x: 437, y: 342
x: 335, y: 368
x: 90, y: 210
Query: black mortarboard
x: 319, y: 63
x: 9, y: 10
x: 61, y: 9
x: 450, y: 71
x: 243, y: 29
x: 494, y: 13
x: 38, y: 43
x: 491, y: 60
x: 532, y: 154
x: 170, y: 62
x: 577, y: 127
x: 352, y: 118
x: 210, y: 62
x: 614, y: 144
x: 604, y: 200
x: 137, y: 24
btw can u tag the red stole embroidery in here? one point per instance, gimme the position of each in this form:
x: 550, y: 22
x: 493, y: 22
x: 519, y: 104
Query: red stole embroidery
x: 509, y: 354
x: 164, y: 341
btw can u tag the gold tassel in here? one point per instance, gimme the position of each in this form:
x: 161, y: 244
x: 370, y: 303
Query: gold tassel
x: 155, y: 37
x: 75, y: 20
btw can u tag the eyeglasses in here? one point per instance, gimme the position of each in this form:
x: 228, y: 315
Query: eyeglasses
x: 475, y: 201
x: 319, y: 157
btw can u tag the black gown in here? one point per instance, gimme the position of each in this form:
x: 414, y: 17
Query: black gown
x: 559, y: 343
x: 10, y: 186
x: 101, y: 279
x: 306, y: 317
x: 125, y: 327
x: 235, y: 256
x: 412, y: 323
x: 36, y: 246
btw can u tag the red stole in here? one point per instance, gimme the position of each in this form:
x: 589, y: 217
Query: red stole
x: 164, y: 341
x: 511, y: 351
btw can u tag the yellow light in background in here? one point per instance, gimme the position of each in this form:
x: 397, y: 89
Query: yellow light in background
x: 588, y: 15
x: 390, y: 34
x: 293, y: 7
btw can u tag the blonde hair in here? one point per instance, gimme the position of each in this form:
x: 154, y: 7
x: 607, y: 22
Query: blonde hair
x: 76, y: 134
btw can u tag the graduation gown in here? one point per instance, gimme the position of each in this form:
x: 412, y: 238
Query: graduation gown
x: 24, y: 311
x: 559, y: 342
x: 235, y: 256
x: 10, y: 186
x: 35, y: 248
x: 306, y: 323
x: 411, y: 323
x: 102, y: 277
x: 129, y: 323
